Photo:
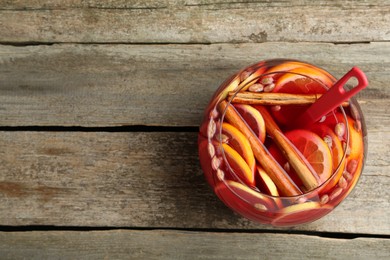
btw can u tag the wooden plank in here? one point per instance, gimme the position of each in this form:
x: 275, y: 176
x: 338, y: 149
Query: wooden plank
x: 162, y: 244
x: 194, y: 21
x: 151, y: 180
x: 169, y: 85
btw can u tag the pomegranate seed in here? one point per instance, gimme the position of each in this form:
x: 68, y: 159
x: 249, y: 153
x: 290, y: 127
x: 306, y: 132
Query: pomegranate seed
x: 335, y: 193
x: 347, y: 176
x: 343, y: 182
x: 211, y: 149
x: 215, y: 163
x: 244, y: 75
x: 256, y: 88
x: 286, y: 167
x: 354, y: 112
x: 267, y: 80
x: 260, y: 207
x: 357, y: 125
x: 328, y: 141
x: 212, y: 127
x: 214, y: 114
x: 339, y: 129
x: 276, y: 108
x: 352, y: 166
x: 269, y: 87
x: 324, y: 199
x: 224, y: 138
x: 220, y: 175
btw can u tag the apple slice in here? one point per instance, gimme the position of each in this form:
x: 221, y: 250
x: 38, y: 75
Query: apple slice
x: 301, y: 213
x: 266, y: 185
x: 244, y: 200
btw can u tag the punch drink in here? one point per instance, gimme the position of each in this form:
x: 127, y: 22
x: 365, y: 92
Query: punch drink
x: 267, y: 165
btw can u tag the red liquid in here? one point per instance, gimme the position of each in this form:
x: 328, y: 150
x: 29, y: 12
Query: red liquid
x: 332, y: 151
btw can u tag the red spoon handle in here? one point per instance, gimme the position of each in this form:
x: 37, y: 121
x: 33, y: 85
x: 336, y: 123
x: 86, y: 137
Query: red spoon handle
x: 333, y: 98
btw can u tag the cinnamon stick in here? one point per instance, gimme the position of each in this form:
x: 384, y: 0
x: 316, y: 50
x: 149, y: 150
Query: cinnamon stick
x: 278, y: 175
x: 253, y: 98
x: 304, y: 170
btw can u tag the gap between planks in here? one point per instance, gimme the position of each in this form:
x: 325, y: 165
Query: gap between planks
x: 286, y: 231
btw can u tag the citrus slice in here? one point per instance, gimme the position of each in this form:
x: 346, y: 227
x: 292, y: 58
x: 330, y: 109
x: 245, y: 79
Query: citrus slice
x: 301, y: 213
x: 240, y: 143
x: 253, y: 118
x: 333, y: 142
x: 303, y: 80
x: 315, y: 150
x: 336, y: 148
x: 285, y: 66
x: 238, y: 165
x: 355, y: 136
x: 300, y: 80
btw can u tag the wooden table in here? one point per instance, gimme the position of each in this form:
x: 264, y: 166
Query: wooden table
x: 100, y: 103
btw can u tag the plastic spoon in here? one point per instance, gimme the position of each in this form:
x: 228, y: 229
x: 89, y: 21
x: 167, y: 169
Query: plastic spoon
x: 333, y: 98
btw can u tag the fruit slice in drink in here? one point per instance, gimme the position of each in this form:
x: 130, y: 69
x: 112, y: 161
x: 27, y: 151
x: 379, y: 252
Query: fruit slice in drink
x: 302, y: 80
x: 267, y: 186
x: 249, y: 203
x: 355, y: 133
x: 336, y: 148
x: 253, y: 118
x: 238, y: 165
x: 313, y: 148
x: 301, y: 213
x: 234, y: 138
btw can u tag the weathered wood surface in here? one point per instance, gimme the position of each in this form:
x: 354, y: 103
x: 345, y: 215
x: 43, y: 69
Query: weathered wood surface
x: 166, y: 85
x: 150, y: 180
x: 194, y: 21
x: 112, y: 63
x: 160, y: 244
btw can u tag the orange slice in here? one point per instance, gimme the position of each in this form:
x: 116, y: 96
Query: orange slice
x: 293, y: 82
x: 315, y: 150
x: 253, y: 118
x: 303, y: 80
x: 301, y: 213
x: 285, y: 66
x: 355, y: 136
x: 291, y: 65
x: 239, y: 143
x: 238, y: 165
x: 328, y: 135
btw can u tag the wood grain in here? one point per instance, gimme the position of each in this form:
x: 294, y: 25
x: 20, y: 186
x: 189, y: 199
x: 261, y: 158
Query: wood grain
x: 194, y: 21
x: 152, y: 180
x: 166, y: 85
x: 160, y: 244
